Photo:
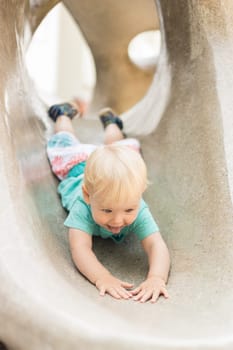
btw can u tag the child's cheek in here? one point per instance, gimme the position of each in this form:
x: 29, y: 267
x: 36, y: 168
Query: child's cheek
x: 133, y: 218
x: 98, y: 217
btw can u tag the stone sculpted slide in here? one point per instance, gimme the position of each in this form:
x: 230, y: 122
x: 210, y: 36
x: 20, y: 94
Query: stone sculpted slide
x: 184, y: 114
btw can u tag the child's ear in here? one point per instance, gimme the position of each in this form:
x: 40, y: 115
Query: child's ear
x: 86, y: 195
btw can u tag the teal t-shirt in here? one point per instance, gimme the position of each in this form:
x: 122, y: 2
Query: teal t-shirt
x: 80, y: 216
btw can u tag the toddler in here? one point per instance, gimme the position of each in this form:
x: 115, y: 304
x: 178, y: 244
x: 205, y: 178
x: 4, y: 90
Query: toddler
x: 101, y: 188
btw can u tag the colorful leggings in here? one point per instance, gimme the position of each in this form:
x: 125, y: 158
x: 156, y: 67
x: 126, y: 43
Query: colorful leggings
x: 65, y: 151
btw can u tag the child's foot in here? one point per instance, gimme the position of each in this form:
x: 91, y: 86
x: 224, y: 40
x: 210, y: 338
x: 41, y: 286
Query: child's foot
x: 108, y: 116
x: 81, y: 105
x: 66, y: 109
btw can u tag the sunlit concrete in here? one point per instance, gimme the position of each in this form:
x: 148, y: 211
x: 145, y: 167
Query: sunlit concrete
x: 45, y: 303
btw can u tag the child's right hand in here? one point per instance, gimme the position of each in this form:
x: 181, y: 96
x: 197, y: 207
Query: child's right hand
x: 113, y: 286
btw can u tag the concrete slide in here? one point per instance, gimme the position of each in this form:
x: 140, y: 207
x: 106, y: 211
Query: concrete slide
x: 184, y: 117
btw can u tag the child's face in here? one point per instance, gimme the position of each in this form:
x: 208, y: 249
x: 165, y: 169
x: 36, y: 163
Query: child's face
x: 114, y: 216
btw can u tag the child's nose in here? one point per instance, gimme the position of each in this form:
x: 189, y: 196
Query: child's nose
x: 117, y: 220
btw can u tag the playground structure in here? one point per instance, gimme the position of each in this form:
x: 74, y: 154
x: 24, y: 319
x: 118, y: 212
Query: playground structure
x: 184, y: 117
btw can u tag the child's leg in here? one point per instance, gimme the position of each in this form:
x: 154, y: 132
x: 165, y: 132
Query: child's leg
x: 64, y: 123
x: 113, y: 127
x: 112, y: 133
x: 71, y: 109
x: 64, y: 150
x: 62, y: 114
x: 112, y: 124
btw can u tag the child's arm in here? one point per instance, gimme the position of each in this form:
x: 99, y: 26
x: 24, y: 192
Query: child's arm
x: 88, y: 264
x: 159, y: 265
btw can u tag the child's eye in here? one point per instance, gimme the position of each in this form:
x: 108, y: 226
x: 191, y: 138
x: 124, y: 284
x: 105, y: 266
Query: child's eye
x: 129, y: 210
x: 106, y: 210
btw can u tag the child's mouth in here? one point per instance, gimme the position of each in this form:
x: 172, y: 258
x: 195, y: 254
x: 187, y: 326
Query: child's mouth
x: 115, y: 229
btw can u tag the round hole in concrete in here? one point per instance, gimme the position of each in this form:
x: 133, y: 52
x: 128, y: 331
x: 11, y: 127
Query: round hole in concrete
x: 144, y: 49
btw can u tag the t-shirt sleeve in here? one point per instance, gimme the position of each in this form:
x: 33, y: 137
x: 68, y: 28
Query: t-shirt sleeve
x: 80, y: 218
x: 145, y: 224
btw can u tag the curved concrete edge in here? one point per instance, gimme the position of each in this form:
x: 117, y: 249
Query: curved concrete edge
x: 222, y: 49
x: 155, y: 101
x: 38, y: 9
x: 46, y: 303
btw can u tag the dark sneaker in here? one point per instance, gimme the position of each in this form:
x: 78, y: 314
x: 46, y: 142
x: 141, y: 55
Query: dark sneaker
x: 57, y: 110
x: 108, y: 116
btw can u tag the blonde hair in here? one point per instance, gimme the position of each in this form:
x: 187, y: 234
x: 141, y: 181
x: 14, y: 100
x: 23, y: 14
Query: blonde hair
x: 115, y: 172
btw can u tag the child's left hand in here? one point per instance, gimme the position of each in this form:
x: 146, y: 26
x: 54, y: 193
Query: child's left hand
x: 151, y: 288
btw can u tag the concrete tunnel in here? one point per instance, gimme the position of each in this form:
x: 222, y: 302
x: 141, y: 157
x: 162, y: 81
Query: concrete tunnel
x: 183, y: 116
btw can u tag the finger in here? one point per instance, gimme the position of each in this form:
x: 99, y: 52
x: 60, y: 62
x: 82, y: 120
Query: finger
x: 124, y: 293
x: 155, y: 297
x: 140, y: 295
x: 114, y: 293
x: 128, y: 292
x: 136, y: 290
x: 165, y: 293
x: 156, y: 294
x: 126, y: 284
x: 102, y: 291
x: 147, y: 295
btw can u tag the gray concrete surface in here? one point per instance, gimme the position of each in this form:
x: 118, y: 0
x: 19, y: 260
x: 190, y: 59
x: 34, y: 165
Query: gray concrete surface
x: 44, y: 302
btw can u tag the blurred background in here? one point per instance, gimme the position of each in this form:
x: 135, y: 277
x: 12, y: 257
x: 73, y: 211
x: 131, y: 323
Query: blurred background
x: 61, y: 64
